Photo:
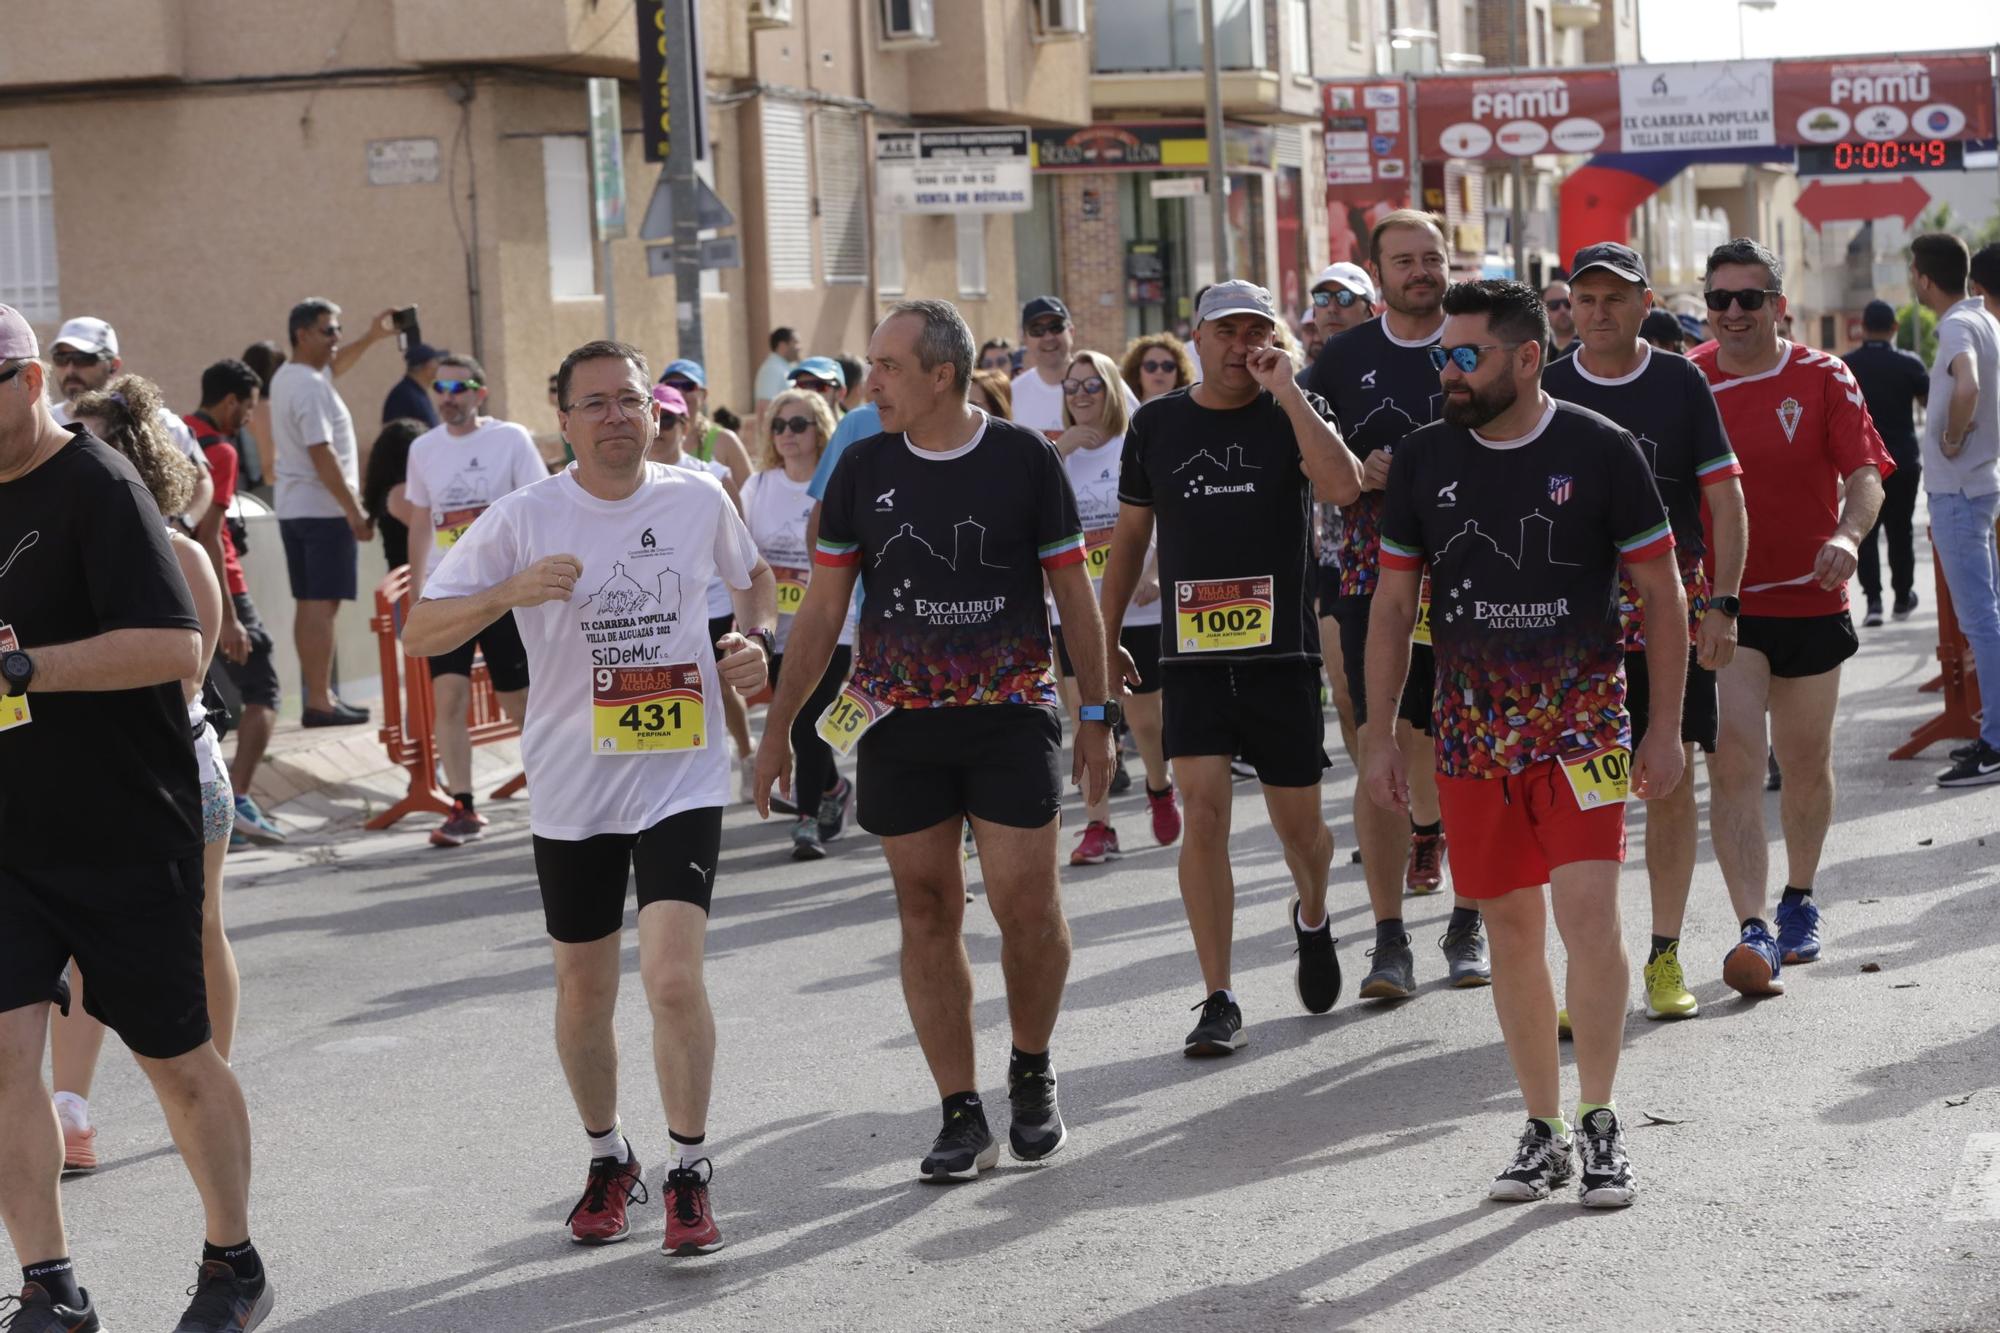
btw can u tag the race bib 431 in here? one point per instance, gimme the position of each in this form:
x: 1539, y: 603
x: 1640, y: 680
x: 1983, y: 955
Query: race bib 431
x: 647, y: 710
x: 1223, y: 615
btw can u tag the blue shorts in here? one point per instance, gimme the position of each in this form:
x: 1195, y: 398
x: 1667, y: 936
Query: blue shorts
x: 322, y: 557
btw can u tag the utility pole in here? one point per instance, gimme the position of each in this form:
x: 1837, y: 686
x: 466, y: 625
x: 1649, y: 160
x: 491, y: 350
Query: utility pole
x: 1218, y: 183
x: 683, y: 87
x: 1516, y: 25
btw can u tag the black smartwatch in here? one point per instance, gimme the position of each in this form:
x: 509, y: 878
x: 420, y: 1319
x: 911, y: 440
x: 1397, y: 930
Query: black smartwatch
x: 17, y: 669
x: 1110, y: 714
x: 1729, y: 606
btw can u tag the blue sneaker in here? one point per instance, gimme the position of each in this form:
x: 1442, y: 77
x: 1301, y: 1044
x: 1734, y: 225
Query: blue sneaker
x: 1798, y: 931
x: 1751, y: 968
x: 254, y: 825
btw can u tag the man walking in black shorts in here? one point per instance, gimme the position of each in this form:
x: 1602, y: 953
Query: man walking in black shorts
x: 605, y: 567
x: 97, y: 631
x: 1228, y: 468
x: 956, y: 518
x: 1666, y: 404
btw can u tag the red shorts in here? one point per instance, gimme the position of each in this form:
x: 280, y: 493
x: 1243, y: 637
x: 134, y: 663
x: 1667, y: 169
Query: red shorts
x: 1507, y: 833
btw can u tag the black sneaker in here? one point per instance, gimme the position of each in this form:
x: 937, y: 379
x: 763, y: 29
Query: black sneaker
x: 34, y: 1311
x: 1874, y: 616
x: 1541, y: 1164
x: 224, y: 1303
x: 1906, y: 602
x: 1394, y: 976
x: 1465, y: 954
x: 833, y: 810
x: 1318, y: 978
x: 962, y: 1149
x: 1774, y: 777
x: 1963, y: 752
x: 1121, y: 777
x: 1220, y: 1031
x: 1976, y: 769
x: 1036, y: 1129
x: 1607, y: 1171
x: 340, y: 715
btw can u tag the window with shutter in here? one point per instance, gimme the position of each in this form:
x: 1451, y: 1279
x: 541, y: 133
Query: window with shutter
x: 843, y: 196
x: 28, y: 235
x: 572, y: 236
x: 972, y: 254
x: 787, y: 194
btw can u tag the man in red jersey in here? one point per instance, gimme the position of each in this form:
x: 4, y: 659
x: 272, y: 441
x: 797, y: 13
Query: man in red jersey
x: 1813, y: 466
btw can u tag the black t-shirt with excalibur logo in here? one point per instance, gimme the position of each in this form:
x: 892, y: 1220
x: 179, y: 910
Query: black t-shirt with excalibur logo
x: 1233, y: 515
x: 1524, y: 539
x: 1381, y: 390
x: 83, y: 552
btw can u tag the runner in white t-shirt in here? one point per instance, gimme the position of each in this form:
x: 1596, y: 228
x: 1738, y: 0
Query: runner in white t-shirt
x: 456, y: 471
x: 606, y: 567
x: 1049, y: 338
x: 1092, y: 445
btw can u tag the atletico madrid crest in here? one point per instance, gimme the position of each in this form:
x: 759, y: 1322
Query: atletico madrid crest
x: 1560, y: 486
x: 1789, y: 413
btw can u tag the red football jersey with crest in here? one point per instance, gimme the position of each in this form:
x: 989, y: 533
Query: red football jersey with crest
x: 1798, y: 429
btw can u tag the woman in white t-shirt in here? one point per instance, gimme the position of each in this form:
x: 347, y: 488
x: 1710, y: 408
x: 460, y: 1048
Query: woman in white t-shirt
x: 1095, y: 413
x: 776, y: 508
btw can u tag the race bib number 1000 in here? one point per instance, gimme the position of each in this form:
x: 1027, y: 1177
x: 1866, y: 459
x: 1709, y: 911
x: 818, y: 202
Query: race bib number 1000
x: 647, y: 710
x: 1223, y: 615
x: 1601, y: 778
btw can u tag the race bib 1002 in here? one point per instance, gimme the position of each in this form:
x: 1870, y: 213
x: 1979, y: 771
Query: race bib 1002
x: 647, y: 710
x: 791, y: 590
x: 1223, y: 615
x: 1600, y: 778
x: 848, y: 718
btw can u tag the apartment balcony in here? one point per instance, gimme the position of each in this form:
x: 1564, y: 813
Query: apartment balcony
x: 49, y: 42
x: 575, y: 35
x: 1146, y: 61
x: 1575, y: 14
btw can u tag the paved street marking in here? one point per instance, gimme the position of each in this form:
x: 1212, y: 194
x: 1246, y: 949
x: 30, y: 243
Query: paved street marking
x: 1976, y: 1195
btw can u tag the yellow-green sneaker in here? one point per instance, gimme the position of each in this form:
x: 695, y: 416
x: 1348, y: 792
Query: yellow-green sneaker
x: 1666, y: 987
x: 1562, y: 1026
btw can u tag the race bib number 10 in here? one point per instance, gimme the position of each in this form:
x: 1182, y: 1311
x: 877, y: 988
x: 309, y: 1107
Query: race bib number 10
x: 647, y: 710
x: 1601, y: 778
x: 791, y: 590
x: 13, y: 707
x: 1097, y: 552
x: 1223, y: 615
x: 848, y: 718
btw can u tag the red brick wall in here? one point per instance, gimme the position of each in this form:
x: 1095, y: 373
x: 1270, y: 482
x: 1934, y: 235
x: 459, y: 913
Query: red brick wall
x: 1092, y: 260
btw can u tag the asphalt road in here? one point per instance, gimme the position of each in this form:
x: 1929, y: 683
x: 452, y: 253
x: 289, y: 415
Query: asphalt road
x: 417, y: 1151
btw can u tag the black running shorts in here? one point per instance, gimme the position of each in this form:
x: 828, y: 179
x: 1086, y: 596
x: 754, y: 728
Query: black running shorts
x: 922, y: 766
x: 1266, y: 712
x: 717, y: 627
x: 1699, y: 718
x: 583, y: 881
x: 1351, y: 614
x: 1142, y: 641
x: 135, y: 932
x: 1799, y: 646
x: 500, y: 644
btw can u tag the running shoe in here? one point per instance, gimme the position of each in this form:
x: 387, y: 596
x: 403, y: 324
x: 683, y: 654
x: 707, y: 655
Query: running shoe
x: 1220, y: 1031
x: 1976, y: 769
x: 691, y: 1225
x: 1966, y: 751
x: 1036, y: 1130
x: 599, y: 1216
x: 79, y: 1150
x: 225, y: 1303
x: 1906, y: 602
x: 962, y: 1149
x: 1394, y: 976
x: 1240, y: 769
x: 1541, y: 1164
x: 1607, y: 1171
x: 256, y: 826
x: 1465, y: 955
x: 1774, y: 778
x: 1563, y: 1030
x: 806, y: 844
x: 1874, y: 616
x: 834, y: 808
x: 1425, y: 871
x: 971, y: 848
x: 1121, y: 777
x: 340, y: 715
x: 1798, y: 930
x: 1166, y: 812
x: 1752, y: 967
x: 460, y: 827
x: 1317, y: 980
x: 34, y: 1311
x: 1098, y: 844
x: 1667, y: 994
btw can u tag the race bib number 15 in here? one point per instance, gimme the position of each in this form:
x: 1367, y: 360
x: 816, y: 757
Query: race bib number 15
x: 1223, y: 615
x: 647, y: 710
x: 848, y: 718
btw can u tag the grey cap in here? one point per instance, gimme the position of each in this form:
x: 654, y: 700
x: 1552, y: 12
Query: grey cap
x: 1235, y: 297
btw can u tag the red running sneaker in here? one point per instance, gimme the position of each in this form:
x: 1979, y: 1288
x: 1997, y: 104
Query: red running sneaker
x: 79, y: 1150
x: 1426, y: 869
x: 599, y: 1216
x: 691, y: 1225
x: 1098, y: 845
x: 460, y: 827
x: 1166, y: 811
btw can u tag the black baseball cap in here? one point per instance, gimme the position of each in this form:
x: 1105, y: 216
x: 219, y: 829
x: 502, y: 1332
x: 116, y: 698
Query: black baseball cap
x: 1041, y: 306
x: 1662, y: 326
x: 1878, y: 315
x: 1620, y: 260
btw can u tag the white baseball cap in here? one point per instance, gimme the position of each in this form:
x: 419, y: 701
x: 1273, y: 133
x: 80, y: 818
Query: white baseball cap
x: 1351, y: 276
x: 86, y: 333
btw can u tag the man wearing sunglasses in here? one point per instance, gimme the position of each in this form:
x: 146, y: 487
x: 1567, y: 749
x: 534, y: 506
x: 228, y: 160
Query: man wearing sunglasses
x: 821, y: 375
x: 85, y: 359
x: 1813, y: 465
x: 1558, y: 300
x: 456, y: 471
x: 1048, y: 340
x: 1343, y: 296
x: 1524, y: 508
x: 1666, y: 405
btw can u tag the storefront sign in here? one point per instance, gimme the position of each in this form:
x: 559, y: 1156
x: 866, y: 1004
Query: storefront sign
x: 1168, y: 145
x: 1920, y: 97
x: 1519, y: 116
x: 1367, y: 131
x: 972, y: 169
x: 1726, y: 104
x: 402, y: 161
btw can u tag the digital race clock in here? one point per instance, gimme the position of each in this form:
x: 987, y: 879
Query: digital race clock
x: 1869, y: 157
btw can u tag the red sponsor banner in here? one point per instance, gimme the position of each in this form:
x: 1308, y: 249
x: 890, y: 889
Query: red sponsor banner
x: 1507, y: 116
x: 1883, y: 98
x: 1367, y: 142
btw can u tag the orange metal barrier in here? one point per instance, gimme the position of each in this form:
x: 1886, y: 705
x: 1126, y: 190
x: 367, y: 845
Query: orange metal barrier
x: 1959, y: 681
x: 409, y: 710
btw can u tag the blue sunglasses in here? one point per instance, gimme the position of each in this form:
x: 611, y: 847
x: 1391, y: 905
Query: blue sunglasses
x: 1465, y: 356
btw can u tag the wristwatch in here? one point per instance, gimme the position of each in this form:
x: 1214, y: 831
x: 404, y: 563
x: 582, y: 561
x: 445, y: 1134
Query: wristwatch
x: 17, y: 669
x: 1729, y: 606
x: 765, y: 637
x: 1110, y: 714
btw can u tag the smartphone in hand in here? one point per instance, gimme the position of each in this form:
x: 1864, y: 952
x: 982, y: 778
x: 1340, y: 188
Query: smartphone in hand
x: 407, y: 334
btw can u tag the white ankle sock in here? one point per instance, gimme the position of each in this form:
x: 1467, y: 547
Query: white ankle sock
x: 611, y: 1143
x: 1299, y: 913
x: 687, y: 1153
x: 73, y: 1110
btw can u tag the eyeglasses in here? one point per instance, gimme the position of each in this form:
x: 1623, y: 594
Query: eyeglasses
x: 1342, y: 298
x: 1465, y: 356
x: 793, y: 425
x: 1750, y: 298
x: 597, y: 406
x: 1159, y: 367
x: 329, y: 331
x: 1560, y: 303
x: 446, y: 388
x: 1076, y: 388
x: 16, y: 369
x: 684, y: 386
x: 62, y: 356
x: 810, y: 384
x: 1046, y: 328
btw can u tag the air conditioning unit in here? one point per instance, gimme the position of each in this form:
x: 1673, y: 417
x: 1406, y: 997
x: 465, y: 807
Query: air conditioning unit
x: 908, y: 21
x: 1060, y: 18
x: 770, y: 13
